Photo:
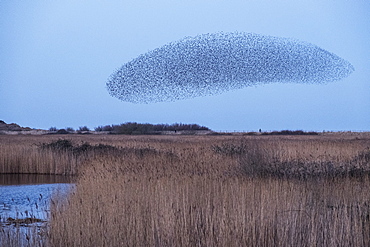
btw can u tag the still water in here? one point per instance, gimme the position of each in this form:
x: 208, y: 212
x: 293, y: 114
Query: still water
x: 28, y: 196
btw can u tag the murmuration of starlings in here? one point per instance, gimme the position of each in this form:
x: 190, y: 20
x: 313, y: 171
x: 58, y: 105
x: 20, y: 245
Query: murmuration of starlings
x: 210, y: 64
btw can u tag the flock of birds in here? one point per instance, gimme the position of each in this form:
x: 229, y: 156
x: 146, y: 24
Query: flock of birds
x: 210, y: 64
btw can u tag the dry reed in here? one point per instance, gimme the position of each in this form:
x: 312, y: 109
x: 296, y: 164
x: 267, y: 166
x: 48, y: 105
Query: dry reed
x: 210, y: 191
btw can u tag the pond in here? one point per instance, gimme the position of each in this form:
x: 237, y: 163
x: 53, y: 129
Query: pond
x: 24, y: 196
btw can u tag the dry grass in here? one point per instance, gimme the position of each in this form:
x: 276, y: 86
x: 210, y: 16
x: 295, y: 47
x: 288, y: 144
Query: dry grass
x: 208, y: 190
x: 31, y: 236
x: 25, y: 154
x: 199, y: 211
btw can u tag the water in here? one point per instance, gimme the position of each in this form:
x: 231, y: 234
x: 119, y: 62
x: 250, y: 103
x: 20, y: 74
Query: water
x: 29, y: 196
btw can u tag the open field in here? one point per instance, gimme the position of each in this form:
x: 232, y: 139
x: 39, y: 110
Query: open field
x: 200, y: 190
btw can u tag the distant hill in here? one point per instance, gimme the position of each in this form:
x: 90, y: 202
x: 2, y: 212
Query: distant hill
x: 11, y: 127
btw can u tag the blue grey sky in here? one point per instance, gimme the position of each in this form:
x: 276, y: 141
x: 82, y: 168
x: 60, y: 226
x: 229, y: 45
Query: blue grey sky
x: 56, y: 57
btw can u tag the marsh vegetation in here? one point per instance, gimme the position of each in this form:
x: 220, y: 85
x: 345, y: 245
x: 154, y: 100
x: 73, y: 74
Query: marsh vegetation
x: 309, y: 190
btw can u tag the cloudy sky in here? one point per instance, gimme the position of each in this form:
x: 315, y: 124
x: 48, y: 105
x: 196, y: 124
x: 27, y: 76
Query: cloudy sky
x: 56, y: 57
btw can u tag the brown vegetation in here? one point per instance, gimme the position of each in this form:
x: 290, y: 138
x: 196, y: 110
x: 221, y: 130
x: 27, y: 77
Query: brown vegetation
x: 203, y: 190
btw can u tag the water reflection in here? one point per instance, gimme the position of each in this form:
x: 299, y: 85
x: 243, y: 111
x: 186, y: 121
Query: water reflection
x: 28, y: 195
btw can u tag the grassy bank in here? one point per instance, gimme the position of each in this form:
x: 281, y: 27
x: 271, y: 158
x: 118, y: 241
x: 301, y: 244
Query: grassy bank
x: 202, y: 190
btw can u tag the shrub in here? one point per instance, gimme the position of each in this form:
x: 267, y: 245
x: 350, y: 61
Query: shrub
x: 98, y: 129
x: 131, y: 128
x: 58, y: 145
x: 228, y: 149
x: 62, y: 131
x: 83, y: 128
x: 290, y: 132
x: 67, y: 145
x: 107, y: 128
x: 104, y: 128
x: 53, y: 129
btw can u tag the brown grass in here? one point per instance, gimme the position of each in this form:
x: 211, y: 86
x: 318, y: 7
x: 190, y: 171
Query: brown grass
x: 198, y: 211
x: 208, y: 190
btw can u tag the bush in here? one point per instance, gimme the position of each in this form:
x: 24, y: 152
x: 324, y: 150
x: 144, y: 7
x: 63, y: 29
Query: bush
x: 61, y: 144
x: 132, y: 128
x: 103, y: 128
x: 70, y: 129
x: 290, y: 132
x: 98, y: 129
x: 107, y: 128
x: 62, y: 131
x: 83, y: 128
x: 67, y: 145
x: 53, y: 129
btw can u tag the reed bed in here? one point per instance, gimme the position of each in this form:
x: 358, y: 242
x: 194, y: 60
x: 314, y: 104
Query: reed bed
x: 31, y: 155
x: 199, y: 211
x: 205, y: 190
x: 30, y: 236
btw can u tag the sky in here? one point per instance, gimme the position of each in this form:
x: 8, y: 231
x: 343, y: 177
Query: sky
x: 56, y: 57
